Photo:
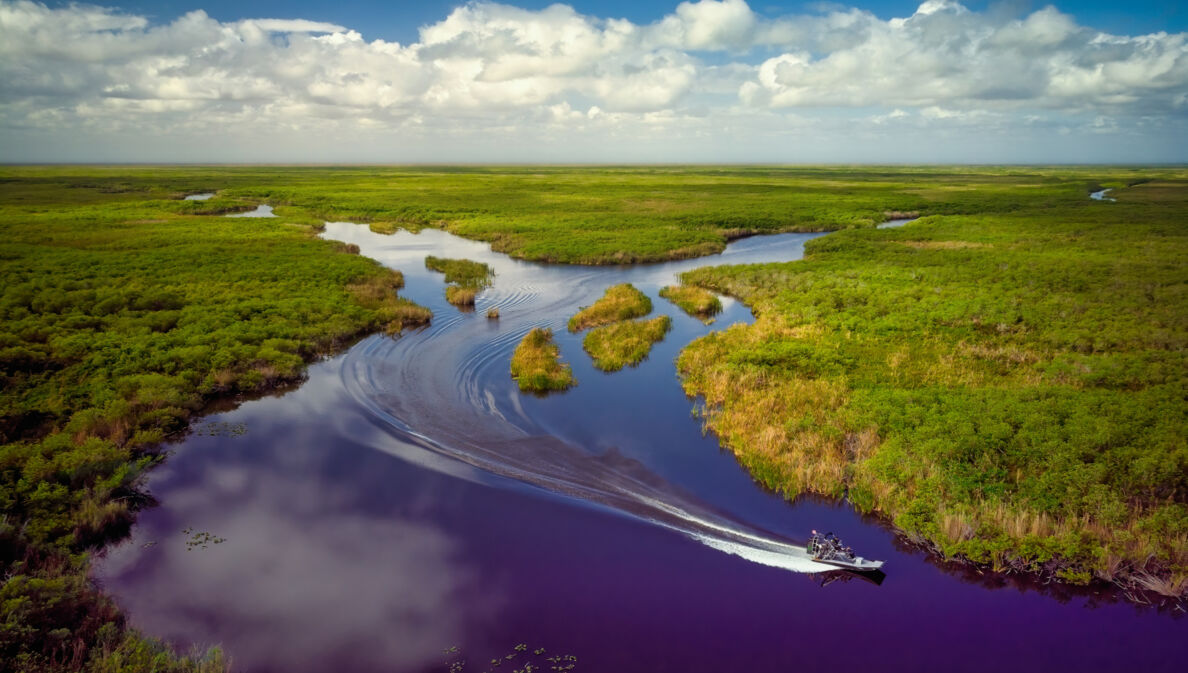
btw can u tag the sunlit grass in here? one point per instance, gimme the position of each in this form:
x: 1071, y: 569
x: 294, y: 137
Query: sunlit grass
x: 1008, y: 388
x: 466, y: 278
x: 463, y: 272
x: 624, y: 343
x: 536, y: 363
x: 1004, y: 378
x: 619, y: 302
x: 695, y: 301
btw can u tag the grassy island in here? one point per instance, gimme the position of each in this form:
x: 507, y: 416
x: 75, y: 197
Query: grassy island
x: 695, y: 301
x: 466, y: 278
x: 462, y: 272
x: 1007, y: 388
x: 536, y: 363
x: 624, y: 343
x: 619, y: 302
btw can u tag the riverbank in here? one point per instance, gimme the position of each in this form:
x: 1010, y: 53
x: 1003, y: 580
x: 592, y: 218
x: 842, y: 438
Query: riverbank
x: 1008, y: 390
x: 124, y: 316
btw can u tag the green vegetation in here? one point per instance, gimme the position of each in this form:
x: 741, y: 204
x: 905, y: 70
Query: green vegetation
x: 124, y: 310
x: 462, y: 272
x: 619, y: 302
x: 606, y: 215
x: 536, y: 363
x: 466, y: 278
x: 1009, y: 388
x: 1003, y: 378
x: 695, y: 301
x: 624, y: 343
x: 460, y: 296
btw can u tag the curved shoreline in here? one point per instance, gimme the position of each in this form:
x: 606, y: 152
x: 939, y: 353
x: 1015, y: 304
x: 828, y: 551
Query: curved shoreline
x: 1047, y: 574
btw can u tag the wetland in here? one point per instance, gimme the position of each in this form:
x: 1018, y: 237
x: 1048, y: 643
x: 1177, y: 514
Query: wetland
x: 407, y: 497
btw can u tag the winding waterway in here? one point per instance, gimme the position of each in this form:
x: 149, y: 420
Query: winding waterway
x: 407, y: 498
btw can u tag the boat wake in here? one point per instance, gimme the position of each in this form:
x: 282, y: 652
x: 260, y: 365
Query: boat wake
x: 609, y: 480
x: 445, y: 389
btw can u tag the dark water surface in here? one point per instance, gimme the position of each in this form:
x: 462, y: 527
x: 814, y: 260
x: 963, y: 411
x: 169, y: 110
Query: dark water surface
x: 407, y: 498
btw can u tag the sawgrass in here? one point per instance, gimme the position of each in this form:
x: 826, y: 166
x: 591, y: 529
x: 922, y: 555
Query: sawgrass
x: 1037, y: 317
x: 466, y: 278
x: 619, y: 302
x: 1008, y: 389
x: 463, y: 272
x: 536, y: 363
x: 695, y: 301
x: 122, y: 313
x: 595, y: 215
x: 624, y: 343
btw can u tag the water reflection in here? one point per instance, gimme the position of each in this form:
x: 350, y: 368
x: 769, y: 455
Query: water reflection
x: 353, y: 543
x: 448, y: 388
x: 367, y: 582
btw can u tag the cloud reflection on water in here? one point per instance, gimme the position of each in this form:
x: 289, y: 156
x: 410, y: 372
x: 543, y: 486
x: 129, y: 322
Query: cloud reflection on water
x: 297, y: 549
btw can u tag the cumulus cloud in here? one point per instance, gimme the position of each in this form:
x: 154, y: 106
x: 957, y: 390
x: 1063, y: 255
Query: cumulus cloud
x: 946, y: 55
x: 499, y: 69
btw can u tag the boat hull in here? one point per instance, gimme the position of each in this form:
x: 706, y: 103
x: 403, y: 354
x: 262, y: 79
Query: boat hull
x: 857, y: 565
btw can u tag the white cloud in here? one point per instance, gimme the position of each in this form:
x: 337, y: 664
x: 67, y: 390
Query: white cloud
x: 499, y: 69
x: 707, y: 24
x: 296, y: 26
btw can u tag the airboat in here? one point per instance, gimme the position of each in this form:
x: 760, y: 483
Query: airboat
x: 830, y: 550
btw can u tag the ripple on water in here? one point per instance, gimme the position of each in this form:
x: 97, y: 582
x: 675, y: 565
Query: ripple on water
x: 451, y: 383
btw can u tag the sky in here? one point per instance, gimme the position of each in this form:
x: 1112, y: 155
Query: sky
x: 706, y: 81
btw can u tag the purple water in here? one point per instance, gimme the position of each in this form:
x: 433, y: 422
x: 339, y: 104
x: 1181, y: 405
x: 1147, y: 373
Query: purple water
x: 407, y: 498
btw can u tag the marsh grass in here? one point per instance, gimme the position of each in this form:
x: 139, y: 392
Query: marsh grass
x: 1041, y: 373
x: 460, y: 296
x: 465, y: 277
x: 624, y: 343
x: 619, y: 302
x: 462, y: 272
x: 122, y: 313
x: 695, y: 301
x: 536, y: 363
x: 395, y: 313
x: 1008, y: 388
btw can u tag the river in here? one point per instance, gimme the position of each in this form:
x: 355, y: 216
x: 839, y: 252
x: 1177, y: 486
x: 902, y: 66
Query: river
x: 407, y: 499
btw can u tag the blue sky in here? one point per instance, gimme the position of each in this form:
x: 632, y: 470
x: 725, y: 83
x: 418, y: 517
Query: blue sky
x: 398, y: 20
x: 528, y: 81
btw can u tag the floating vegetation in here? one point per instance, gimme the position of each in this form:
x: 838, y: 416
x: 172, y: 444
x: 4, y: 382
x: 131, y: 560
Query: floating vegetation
x: 624, y: 343
x: 460, y: 296
x: 384, y: 227
x: 695, y: 301
x: 221, y: 429
x: 518, y: 660
x: 465, y: 277
x: 536, y: 363
x: 200, y: 539
x: 620, y: 302
x: 493, y: 313
x: 462, y: 272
